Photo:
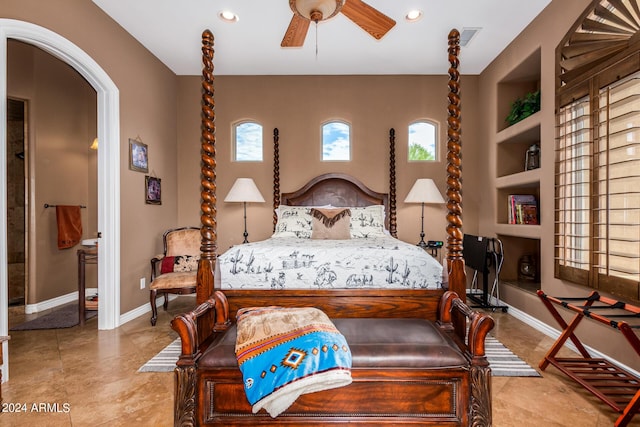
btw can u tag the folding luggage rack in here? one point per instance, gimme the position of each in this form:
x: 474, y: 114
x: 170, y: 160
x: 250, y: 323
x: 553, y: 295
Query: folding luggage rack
x: 481, y: 254
x: 613, y: 385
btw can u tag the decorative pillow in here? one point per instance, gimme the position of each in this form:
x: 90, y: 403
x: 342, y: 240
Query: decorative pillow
x: 330, y: 223
x: 180, y: 263
x: 293, y: 221
x: 367, y: 222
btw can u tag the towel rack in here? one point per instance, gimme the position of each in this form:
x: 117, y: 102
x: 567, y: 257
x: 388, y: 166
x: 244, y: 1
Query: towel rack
x: 47, y: 205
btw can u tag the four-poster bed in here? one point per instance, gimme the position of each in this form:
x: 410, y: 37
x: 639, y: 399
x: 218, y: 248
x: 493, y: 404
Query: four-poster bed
x: 418, y: 353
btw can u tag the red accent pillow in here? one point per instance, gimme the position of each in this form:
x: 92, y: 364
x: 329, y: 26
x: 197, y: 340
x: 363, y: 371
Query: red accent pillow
x: 180, y: 263
x: 167, y: 264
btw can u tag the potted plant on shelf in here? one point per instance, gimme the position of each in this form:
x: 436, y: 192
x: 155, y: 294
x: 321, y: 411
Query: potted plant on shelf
x: 524, y: 107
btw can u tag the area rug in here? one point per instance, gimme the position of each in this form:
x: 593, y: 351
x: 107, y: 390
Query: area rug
x: 504, y: 363
x: 502, y: 360
x: 63, y: 317
x: 165, y: 361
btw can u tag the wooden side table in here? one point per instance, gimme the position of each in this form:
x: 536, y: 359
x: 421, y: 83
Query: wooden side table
x: 85, y: 256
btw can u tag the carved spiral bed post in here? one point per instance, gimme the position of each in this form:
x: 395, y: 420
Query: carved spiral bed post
x: 393, y: 220
x: 208, y: 215
x: 185, y: 371
x: 276, y: 175
x: 480, y: 412
x: 455, y: 262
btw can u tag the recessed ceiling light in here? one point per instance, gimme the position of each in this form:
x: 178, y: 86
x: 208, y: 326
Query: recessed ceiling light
x: 228, y: 16
x: 413, y: 15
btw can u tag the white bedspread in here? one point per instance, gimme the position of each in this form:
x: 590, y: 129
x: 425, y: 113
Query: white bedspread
x: 293, y: 263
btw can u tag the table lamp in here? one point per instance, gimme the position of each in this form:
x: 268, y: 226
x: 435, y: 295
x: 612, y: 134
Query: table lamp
x: 244, y: 190
x: 424, y: 191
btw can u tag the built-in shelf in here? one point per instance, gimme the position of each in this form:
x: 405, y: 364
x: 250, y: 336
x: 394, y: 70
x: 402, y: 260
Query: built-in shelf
x: 520, y: 230
x: 521, y: 80
x: 513, y: 144
x: 526, y: 130
x: 521, y: 179
x: 521, y: 241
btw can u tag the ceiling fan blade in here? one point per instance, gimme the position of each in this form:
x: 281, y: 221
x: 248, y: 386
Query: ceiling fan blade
x: 369, y: 19
x: 296, y: 33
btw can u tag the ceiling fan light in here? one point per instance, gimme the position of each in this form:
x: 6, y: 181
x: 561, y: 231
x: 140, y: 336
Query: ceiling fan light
x: 228, y: 16
x: 413, y: 15
x: 327, y: 8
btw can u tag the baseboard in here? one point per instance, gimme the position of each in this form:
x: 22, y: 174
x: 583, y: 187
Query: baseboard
x: 142, y: 310
x: 56, y: 302
x: 555, y: 333
x: 73, y: 296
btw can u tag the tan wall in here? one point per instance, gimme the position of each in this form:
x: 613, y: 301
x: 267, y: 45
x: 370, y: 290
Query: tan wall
x: 297, y: 105
x: 147, y: 110
x: 544, y: 33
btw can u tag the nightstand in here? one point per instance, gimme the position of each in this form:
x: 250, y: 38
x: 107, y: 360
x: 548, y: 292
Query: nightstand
x: 85, y: 256
x: 433, y: 247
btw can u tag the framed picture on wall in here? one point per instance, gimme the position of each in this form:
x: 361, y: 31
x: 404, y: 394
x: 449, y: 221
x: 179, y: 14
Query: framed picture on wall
x: 138, y: 156
x: 152, y: 190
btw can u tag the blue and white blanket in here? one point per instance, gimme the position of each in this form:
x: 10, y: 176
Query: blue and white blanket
x: 286, y: 352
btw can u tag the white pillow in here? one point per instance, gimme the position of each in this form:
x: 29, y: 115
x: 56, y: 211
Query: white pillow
x: 293, y: 221
x: 367, y: 222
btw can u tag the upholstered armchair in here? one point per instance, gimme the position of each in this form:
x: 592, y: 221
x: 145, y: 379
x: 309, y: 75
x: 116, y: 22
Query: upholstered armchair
x: 175, y: 270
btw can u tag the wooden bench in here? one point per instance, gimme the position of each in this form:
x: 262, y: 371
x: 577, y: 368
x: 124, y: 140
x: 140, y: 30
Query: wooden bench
x: 405, y: 370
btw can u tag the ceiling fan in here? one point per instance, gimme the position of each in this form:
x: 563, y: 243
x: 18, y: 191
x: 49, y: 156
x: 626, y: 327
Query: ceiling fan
x: 366, y: 17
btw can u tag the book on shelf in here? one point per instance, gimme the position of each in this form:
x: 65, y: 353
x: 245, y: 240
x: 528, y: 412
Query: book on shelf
x: 523, y: 209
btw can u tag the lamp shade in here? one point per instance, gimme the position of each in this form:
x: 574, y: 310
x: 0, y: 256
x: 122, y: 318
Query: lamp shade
x: 244, y: 190
x: 424, y: 191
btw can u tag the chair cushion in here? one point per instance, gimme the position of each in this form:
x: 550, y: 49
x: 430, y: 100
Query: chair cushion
x: 179, y: 263
x: 374, y: 343
x: 175, y: 280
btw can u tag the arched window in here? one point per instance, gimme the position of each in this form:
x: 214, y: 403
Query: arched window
x: 423, y: 135
x: 336, y: 141
x: 247, y: 137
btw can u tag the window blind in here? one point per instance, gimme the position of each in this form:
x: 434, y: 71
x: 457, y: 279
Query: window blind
x: 598, y: 188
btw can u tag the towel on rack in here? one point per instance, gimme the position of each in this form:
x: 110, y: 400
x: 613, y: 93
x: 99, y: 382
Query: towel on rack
x: 69, y: 226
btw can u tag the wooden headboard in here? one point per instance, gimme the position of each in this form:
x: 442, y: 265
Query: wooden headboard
x: 338, y: 189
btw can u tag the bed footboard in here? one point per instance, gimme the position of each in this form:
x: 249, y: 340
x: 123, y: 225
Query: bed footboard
x: 197, y: 330
x: 199, y: 390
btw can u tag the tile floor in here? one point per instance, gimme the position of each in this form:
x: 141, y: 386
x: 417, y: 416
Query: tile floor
x: 92, y: 376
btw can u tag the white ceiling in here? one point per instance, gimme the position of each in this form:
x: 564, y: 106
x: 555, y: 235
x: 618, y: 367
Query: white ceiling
x: 172, y: 29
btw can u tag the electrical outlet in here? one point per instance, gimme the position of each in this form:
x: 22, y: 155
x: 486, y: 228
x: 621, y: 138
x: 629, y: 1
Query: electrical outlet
x: 142, y: 283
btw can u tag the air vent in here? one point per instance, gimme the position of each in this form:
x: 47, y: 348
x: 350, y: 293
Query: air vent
x: 467, y: 34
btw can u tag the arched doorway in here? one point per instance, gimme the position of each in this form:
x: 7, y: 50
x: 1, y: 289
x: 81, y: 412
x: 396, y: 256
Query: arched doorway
x: 108, y: 165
